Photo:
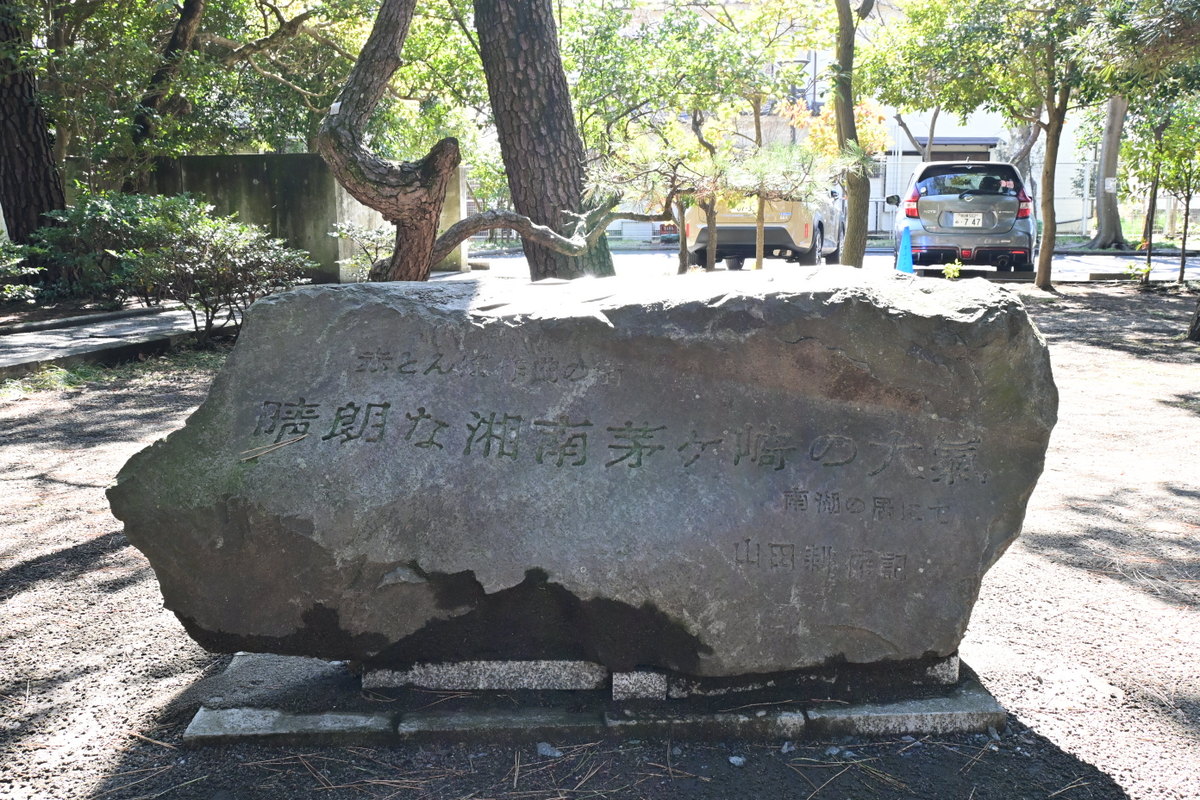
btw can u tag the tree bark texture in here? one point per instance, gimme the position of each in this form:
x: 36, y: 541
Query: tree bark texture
x: 1056, y: 114
x: 543, y: 154
x: 1193, y: 333
x: 1187, y: 213
x: 1108, y: 215
x: 410, y: 194
x: 29, y: 181
x: 858, y: 185
x: 146, y: 120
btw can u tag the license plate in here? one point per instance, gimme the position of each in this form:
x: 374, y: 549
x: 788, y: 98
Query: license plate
x: 973, y: 219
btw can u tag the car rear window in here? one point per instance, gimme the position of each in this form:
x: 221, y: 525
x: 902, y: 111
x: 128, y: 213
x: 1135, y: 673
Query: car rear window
x: 997, y: 179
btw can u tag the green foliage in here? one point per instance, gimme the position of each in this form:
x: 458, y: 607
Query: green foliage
x: 218, y: 267
x: 953, y: 270
x: 17, y: 276
x: 111, y: 247
x: 370, y: 245
x: 94, y: 244
x: 1138, y: 271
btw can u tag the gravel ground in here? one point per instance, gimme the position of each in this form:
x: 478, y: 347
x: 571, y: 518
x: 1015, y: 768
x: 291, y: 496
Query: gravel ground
x: 1087, y: 630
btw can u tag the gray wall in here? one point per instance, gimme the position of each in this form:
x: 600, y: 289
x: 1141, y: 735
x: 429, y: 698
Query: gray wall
x: 294, y: 196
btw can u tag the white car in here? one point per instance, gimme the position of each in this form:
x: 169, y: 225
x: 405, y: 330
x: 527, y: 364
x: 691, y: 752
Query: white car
x: 795, y: 231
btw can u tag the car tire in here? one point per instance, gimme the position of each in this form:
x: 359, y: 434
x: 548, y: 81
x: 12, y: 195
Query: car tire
x: 813, y: 256
x: 735, y: 263
x: 836, y: 256
x: 696, y: 258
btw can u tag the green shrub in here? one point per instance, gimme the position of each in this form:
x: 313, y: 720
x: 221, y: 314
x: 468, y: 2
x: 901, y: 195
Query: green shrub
x: 16, y: 275
x: 370, y: 245
x: 218, y: 267
x: 93, y: 247
x: 110, y: 247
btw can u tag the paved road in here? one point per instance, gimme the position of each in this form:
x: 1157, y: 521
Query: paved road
x: 1066, y: 268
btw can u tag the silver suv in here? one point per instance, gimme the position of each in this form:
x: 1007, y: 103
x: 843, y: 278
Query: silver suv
x: 976, y: 212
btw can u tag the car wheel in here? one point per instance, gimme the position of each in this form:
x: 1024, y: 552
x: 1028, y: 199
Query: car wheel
x: 836, y: 256
x: 813, y: 256
x: 696, y: 258
x: 734, y: 263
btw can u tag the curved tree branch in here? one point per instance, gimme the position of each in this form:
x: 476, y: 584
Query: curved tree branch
x: 409, y: 194
x: 588, y: 228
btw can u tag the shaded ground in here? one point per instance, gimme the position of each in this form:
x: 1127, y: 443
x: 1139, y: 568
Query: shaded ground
x: 1087, y: 630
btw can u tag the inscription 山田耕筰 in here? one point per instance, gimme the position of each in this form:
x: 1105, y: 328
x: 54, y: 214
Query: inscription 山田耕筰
x: 717, y: 478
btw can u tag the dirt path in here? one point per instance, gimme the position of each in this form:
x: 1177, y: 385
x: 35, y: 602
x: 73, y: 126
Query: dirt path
x: 1088, y: 630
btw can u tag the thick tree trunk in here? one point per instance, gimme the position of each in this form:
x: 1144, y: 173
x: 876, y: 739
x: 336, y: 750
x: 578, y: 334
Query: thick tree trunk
x: 409, y: 195
x: 858, y: 185
x: 29, y: 181
x: 1108, y: 215
x: 542, y: 151
x: 1193, y: 333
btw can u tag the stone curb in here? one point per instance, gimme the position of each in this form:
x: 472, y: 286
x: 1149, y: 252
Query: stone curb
x: 112, y: 352
x: 968, y: 708
x: 83, y: 319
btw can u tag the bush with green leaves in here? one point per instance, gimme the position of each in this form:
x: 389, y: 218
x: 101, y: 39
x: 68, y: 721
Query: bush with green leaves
x: 218, y: 267
x: 109, y: 247
x: 91, y: 250
x: 16, y: 276
x: 370, y: 245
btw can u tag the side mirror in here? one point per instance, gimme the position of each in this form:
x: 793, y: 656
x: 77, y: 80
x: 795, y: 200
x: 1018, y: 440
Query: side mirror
x: 892, y: 200
x: 834, y: 193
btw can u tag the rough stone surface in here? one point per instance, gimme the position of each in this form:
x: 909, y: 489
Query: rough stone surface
x: 483, y: 675
x: 221, y: 725
x: 717, y: 475
x: 639, y: 685
x: 968, y: 708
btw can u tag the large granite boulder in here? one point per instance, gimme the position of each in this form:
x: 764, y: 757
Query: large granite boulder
x: 717, y: 474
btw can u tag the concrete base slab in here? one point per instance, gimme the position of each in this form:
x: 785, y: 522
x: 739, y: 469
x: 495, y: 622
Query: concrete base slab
x: 303, y: 700
x: 969, y: 708
x: 223, y: 725
x: 493, y: 675
x: 524, y: 723
x: 761, y: 725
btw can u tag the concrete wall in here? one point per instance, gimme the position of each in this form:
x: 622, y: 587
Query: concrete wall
x: 296, y: 197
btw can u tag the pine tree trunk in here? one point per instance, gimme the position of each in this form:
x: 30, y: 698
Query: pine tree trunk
x: 410, y: 195
x: 29, y: 181
x: 539, y: 142
x: 1108, y: 215
x: 1193, y: 333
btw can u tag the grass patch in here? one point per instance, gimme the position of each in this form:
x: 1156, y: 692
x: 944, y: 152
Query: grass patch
x: 185, y: 361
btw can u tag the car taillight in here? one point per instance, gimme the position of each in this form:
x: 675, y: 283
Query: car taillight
x: 1024, y: 205
x: 910, y: 204
x: 687, y: 230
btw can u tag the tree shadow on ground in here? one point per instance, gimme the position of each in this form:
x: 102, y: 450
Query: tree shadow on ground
x: 65, y: 564
x: 105, y: 415
x: 1158, y: 555
x: 1134, y: 322
x: 1188, y: 401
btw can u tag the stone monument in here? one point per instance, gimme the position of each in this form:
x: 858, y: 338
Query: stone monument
x: 716, y: 475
